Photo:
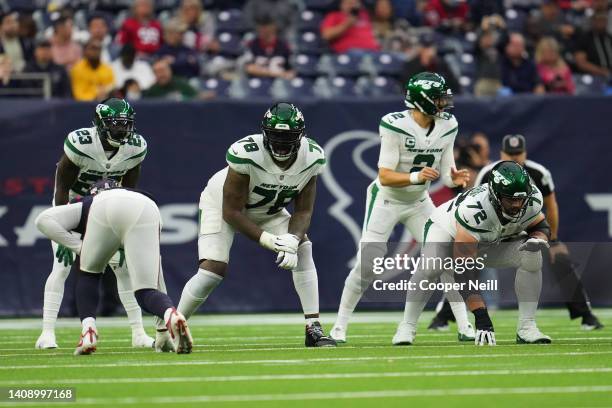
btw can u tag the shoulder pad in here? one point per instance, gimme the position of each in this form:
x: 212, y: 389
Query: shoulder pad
x: 78, y: 143
x: 472, y: 215
x: 246, y: 152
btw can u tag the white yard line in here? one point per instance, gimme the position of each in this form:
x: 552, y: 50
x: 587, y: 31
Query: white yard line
x: 333, y: 395
x: 178, y: 362
x: 316, y: 377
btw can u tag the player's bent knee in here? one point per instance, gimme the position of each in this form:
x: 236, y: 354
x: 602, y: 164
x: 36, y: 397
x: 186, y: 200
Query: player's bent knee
x: 531, y: 261
x: 216, y: 267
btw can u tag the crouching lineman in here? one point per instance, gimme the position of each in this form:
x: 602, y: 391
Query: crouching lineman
x: 500, y: 221
x: 416, y: 148
x: 116, y: 218
x: 266, y: 172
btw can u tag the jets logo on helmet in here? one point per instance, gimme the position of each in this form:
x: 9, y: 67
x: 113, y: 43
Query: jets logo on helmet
x: 283, y: 128
x: 428, y: 92
x: 114, y: 121
x: 510, y: 190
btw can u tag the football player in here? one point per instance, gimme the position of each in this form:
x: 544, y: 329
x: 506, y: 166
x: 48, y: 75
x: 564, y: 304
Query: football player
x: 501, y: 222
x: 416, y: 149
x: 265, y: 173
x: 116, y: 219
x: 108, y: 149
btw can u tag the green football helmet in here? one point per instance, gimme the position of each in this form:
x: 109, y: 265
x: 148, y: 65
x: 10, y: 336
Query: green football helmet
x: 428, y: 92
x: 283, y: 128
x: 510, y: 189
x: 114, y: 120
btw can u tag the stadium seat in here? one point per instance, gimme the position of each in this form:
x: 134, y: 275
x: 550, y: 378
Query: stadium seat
x: 113, y: 6
x: 589, y: 85
x: 231, y: 21
x: 24, y: 5
x: 309, y: 20
x: 296, y: 88
x: 515, y: 19
x: 167, y: 5
x: 306, y: 65
x: 219, y: 86
x: 345, y: 65
x: 467, y: 84
x: 378, y: 86
x: 230, y: 44
x: 343, y: 87
x: 467, y: 65
x: 242, y: 88
x: 386, y: 63
x: 310, y: 42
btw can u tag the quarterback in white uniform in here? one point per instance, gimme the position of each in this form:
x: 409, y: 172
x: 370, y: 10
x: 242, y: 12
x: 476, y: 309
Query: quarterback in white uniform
x: 502, y: 223
x: 265, y: 173
x: 109, y: 149
x: 416, y: 149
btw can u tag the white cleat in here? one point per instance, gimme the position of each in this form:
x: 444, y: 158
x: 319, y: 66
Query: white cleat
x: 46, y: 340
x: 88, y: 342
x: 532, y: 335
x: 163, y: 342
x: 142, y: 340
x: 338, y: 333
x: 466, y: 333
x: 179, y: 332
x: 405, y: 334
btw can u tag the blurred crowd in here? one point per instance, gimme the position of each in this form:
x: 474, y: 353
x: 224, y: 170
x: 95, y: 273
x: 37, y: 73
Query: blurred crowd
x: 186, y: 49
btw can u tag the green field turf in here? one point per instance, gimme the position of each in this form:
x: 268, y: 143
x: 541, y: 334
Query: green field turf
x: 259, y: 360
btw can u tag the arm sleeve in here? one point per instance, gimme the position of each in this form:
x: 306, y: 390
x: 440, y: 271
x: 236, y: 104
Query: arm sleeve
x: 446, y: 163
x: 548, y: 186
x: 57, y: 222
x: 389, y: 153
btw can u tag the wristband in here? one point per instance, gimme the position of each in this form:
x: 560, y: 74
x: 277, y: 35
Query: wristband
x: 414, y: 177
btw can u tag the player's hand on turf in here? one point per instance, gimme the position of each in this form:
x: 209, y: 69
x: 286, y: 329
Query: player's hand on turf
x: 64, y: 255
x: 428, y: 174
x: 279, y: 243
x: 287, y: 260
x: 534, y: 245
x: 460, y: 177
x: 484, y: 337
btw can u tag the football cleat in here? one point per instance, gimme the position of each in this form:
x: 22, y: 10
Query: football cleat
x: 142, y: 340
x: 87, y: 343
x: 338, y: 334
x: 532, y: 335
x: 405, y: 334
x: 46, y: 340
x: 466, y: 333
x: 590, y: 322
x: 163, y: 342
x: 178, y: 330
x: 438, y: 324
x: 315, y: 337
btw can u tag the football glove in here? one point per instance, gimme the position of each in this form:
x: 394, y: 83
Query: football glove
x: 287, y: 260
x: 279, y: 243
x: 65, y: 255
x: 484, y: 337
x: 534, y: 245
x: 485, y: 334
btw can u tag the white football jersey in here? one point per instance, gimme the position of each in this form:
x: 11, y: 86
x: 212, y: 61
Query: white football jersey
x: 84, y: 148
x: 270, y: 187
x: 416, y: 148
x: 474, y: 211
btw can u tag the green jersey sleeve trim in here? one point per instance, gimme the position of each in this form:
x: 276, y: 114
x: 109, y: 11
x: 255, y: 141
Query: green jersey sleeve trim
x: 450, y: 131
x: 75, y: 150
x: 137, y: 155
x: 393, y: 128
x: 466, y: 225
x: 318, y: 161
x: 239, y: 160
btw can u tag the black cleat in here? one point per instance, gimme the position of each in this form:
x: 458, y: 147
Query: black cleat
x: 315, y: 337
x: 590, y: 322
x: 438, y: 324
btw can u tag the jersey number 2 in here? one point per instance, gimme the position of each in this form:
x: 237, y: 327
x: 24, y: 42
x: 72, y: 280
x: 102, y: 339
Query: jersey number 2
x: 422, y: 160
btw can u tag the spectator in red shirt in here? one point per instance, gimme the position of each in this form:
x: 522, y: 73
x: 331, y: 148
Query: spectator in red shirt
x: 141, y: 30
x: 349, y: 28
x: 554, y: 72
x: 447, y: 14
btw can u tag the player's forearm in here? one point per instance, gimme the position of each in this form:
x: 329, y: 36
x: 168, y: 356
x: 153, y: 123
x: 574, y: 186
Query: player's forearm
x: 53, y: 229
x: 61, y: 196
x: 241, y: 223
x: 552, y: 217
x: 391, y: 178
x: 299, y: 223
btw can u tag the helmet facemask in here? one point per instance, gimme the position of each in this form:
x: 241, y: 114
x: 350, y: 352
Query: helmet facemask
x: 117, y: 130
x: 511, y: 208
x: 282, y: 142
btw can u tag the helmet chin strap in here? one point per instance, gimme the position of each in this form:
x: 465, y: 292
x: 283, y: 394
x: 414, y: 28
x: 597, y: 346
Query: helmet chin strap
x: 113, y: 142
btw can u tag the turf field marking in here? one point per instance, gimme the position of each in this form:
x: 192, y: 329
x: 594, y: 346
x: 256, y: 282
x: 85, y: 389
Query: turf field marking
x: 320, y: 376
x: 334, y: 395
x: 166, y: 363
